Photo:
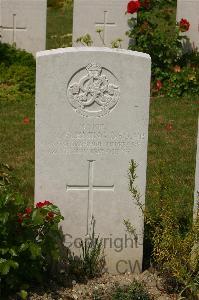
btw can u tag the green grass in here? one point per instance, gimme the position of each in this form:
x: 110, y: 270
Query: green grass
x: 17, y: 141
x: 172, y: 151
x: 59, y: 27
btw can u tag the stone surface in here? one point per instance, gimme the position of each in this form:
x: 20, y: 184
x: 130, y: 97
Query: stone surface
x: 23, y: 23
x: 189, y: 9
x: 92, y: 108
x: 196, y: 194
x: 90, y: 15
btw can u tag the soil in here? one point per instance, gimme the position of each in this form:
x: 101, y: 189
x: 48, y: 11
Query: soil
x: 103, y: 287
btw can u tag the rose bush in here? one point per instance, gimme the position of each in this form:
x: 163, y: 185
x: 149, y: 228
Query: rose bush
x: 29, y: 241
x: 155, y: 32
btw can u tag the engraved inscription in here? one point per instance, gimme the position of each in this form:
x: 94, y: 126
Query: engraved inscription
x: 93, y: 91
x: 90, y: 187
x: 96, y: 138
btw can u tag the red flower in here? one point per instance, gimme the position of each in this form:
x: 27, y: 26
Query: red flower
x: 41, y: 204
x: 184, y: 25
x: 46, y: 202
x: 169, y: 127
x: 26, y: 120
x: 159, y: 85
x: 28, y: 210
x: 133, y: 6
x: 20, y: 218
x: 50, y: 216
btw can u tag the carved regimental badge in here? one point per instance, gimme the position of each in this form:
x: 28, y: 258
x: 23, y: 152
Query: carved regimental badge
x: 93, y: 91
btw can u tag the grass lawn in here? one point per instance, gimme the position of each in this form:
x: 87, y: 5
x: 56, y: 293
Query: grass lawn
x: 59, y: 27
x: 172, y: 134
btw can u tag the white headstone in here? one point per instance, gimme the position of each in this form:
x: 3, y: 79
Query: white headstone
x: 189, y: 9
x: 196, y: 194
x: 109, y: 16
x: 23, y: 23
x: 92, y: 108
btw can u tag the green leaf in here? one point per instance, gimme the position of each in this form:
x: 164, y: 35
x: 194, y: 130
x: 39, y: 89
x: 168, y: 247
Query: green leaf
x: 12, y: 252
x: 5, y: 265
x: 37, y: 217
x: 23, y: 294
x: 35, y: 250
x: 24, y: 247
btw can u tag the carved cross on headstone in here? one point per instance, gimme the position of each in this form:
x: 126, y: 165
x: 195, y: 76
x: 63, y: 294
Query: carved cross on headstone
x: 13, y: 28
x: 90, y: 187
x: 105, y: 24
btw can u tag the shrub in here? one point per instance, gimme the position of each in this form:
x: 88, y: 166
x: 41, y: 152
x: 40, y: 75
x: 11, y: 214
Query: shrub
x: 155, y: 32
x: 91, y: 262
x: 135, y: 291
x: 17, y: 73
x: 174, y: 238
x: 29, y: 240
x: 9, y: 55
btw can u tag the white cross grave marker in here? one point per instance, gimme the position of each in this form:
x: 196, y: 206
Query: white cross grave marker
x: 13, y: 28
x: 104, y: 25
x: 90, y: 187
x: 23, y: 23
x: 90, y: 15
x: 92, y: 110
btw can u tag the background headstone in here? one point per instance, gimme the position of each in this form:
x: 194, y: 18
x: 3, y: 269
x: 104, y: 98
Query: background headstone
x: 23, y: 23
x: 196, y: 195
x: 92, y: 108
x: 189, y: 9
x: 90, y: 15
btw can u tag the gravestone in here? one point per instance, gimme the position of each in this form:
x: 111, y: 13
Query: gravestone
x: 189, y: 9
x: 92, y: 108
x: 196, y: 194
x: 23, y: 23
x: 108, y: 16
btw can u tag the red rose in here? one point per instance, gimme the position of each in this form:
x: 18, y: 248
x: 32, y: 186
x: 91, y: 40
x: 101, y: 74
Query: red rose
x: 133, y: 6
x: 26, y: 120
x: 46, y: 202
x: 20, y: 218
x: 50, y: 216
x: 184, y: 25
x: 159, y: 85
x: 41, y: 204
x: 28, y: 210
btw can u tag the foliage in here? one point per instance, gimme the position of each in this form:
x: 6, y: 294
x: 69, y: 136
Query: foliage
x: 92, y: 256
x: 9, y: 56
x: 91, y: 262
x: 135, y: 291
x: 29, y: 239
x: 17, y: 73
x: 156, y: 33
x: 85, y: 40
x: 61, y: 41
x: 174, y: 240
